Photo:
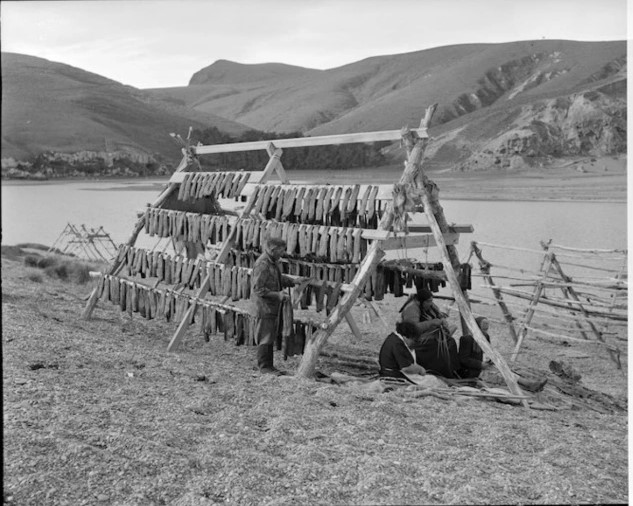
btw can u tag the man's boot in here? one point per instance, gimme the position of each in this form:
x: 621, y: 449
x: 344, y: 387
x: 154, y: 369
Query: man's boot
x: 265, y: 359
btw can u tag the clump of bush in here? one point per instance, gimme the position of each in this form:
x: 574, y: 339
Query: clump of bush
x: 58, y: 268
x: 34, y: 276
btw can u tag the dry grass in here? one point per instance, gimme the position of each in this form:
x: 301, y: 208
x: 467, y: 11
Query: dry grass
x: 58, y: 267
x: 97, y: 412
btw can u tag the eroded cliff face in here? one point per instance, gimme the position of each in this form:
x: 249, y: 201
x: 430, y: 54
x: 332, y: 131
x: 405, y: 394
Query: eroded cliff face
x: 505, y: 82
x: 590, y: 123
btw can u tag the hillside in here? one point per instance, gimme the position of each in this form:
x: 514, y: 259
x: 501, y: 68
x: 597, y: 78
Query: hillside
x: 49, y: 106
x: 508, y: 106
x: 499, y: 90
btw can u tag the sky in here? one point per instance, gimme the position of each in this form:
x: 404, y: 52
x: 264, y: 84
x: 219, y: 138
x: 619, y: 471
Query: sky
x: 162, y: 43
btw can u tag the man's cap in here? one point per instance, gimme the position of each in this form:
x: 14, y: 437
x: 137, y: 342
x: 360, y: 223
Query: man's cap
x: 274, y: 242
x: 424, y: 294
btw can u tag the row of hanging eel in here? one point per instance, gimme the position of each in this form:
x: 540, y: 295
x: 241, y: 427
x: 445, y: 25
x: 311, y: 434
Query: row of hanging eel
x: 233, y: 322
x: 185, y: 226
x: 227, y: 280
x: 387, y: 278
x: 325, y: 205
x: 333, y: 244
x: 196, y: 185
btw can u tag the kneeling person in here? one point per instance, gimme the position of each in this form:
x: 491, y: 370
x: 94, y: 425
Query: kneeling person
x: 396, y: 357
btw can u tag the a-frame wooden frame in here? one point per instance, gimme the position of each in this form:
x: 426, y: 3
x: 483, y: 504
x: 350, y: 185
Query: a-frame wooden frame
x: 419, y: 191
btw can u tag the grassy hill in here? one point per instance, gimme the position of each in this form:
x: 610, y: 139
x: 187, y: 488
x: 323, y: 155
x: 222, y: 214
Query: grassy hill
x: 497, y: 91
x: 385, y: 92
x: 48, y: 106
x: 500, y: 105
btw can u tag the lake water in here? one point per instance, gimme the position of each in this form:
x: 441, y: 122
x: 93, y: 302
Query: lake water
x: 38, y: 212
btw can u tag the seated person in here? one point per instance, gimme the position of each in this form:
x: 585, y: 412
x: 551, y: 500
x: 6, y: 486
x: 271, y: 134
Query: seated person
x: 396, y: 357
x: 471, y: 356
x: 435, y: 350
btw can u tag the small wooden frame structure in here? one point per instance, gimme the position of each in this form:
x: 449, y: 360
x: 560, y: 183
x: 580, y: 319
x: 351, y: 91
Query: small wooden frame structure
x: 582, y: 304
x: 86, y: 243
x: 328, y: 223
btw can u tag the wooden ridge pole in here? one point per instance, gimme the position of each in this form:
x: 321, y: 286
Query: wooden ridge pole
x: 370, y: 261
x: 92, y: 300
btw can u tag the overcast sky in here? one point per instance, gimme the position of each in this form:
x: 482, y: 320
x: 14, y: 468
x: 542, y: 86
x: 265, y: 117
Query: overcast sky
x: 161, y: 43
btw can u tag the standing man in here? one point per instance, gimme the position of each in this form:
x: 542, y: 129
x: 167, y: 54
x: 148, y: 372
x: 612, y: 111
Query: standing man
x: 267, y: 294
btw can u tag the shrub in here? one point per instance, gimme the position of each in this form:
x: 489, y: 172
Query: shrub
x: 57, y: 271
x: 31, y: 260
x: 35, y: 276
x: 69, y: 270
x: 45, y: 262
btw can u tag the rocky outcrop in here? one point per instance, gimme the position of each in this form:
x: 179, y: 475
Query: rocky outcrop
x: 507, y: 80
x: 586, y: 124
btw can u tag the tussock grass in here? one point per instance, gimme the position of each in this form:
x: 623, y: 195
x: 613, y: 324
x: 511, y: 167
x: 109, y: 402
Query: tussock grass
x: 34, y: 276
x: 56, y: 267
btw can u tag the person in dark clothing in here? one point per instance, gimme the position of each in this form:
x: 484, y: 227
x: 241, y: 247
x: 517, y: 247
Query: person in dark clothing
x: 396, y: 357
x: 421, y: 310
x: 267, y: 294
x: 471, y: 356
x: 435, y: 349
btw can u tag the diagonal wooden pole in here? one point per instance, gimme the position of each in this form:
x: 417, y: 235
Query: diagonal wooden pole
x: 529, y: 312
x: 484, y: 266
x: 569, y: 292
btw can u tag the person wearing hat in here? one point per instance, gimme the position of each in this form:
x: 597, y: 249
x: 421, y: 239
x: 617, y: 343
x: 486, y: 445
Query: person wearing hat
x: 435, y: 350
x: 267, y: 295
x: 421, y: 310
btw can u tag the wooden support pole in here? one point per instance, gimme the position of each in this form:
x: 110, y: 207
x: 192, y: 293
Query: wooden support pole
x: 275, y: 153
x: 378, y: 313
x: 353, y: 326
x: 570, y: 292
x: 184, y: 323
x: 92, y: 301
x: 609, y: 315
x: 485, y: 269
x: 313, y: 347
x: 527, y: 318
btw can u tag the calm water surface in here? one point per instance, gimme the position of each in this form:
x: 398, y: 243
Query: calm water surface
x: 38, y: 212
